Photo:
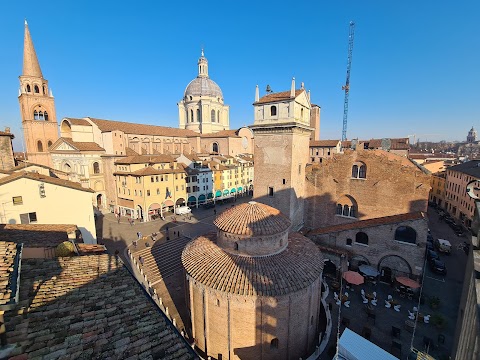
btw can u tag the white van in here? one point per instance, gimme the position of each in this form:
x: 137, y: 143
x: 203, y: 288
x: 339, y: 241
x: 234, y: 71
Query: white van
x: 183, y: 210
x: 443, y: 245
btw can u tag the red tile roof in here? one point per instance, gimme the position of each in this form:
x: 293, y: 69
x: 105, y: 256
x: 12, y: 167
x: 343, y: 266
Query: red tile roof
x: 280, y: 96
x: 289, y: 271
x: 146, y: 159
x: 222, y: 133
x: 38, y: 235
x: 80, y: 146
x: 324, y: 143
x: 81, y: 122
x: 141, y: 129
x: 393, y: 219
x: 8, y: 253
x: 43, y: 178
x: 252, y: 218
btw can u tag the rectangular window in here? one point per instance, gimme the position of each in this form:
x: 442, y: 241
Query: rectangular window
x: 183, y: 187
x: 135, y: 193
x: 151, y: 179
x: 28, y: 218
x: 156, y: 178
x: 299, y: 169
x: 17, y: 200
x: 270, y: 191
x: 176, y: 188
x: 128, y: 191
x: 166, y: 177
x: 148, y: 192
x: 158, y: 191
x: 140, y: 192
x: 284, y: 181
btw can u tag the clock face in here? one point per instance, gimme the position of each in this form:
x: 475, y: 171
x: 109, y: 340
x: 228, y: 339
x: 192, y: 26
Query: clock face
x: 244, y: 142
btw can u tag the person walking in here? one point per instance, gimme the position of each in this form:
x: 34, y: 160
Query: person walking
x: 141, y: 260
x: 214, y: 211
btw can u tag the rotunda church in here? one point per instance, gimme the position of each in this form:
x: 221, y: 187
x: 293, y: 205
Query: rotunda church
x: 202, y: 108
x: 253, y: 289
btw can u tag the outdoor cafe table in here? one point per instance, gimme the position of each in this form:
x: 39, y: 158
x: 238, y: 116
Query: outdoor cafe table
x: 369, y: 296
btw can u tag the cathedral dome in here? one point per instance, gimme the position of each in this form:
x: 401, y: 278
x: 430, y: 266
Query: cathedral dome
x: 252, y: 219
x: 203, y: 86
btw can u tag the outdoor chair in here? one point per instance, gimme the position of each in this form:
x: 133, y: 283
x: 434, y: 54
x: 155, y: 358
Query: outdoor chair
x: 389, y: 297
x: 374, y: 302
x: 362, y: 292
x: 347, y: 304
x: 411, y: 315
x: 426, y: 319
x: 415, y: 309
x: 396, y: 348
x: 396, y: 332
x: 335, y: 295
x: 338, y: 302
x: 374, y: 294
x: 387, y: 304
x: 367, y: 333
x: 346, y: 294
x: 397, y: 308
x: 365, y: 300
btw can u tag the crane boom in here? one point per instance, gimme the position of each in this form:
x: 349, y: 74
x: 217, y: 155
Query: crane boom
x: 351, y: 34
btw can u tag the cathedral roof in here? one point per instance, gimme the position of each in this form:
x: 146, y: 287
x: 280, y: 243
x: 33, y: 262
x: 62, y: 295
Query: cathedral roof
x: 222, y: 133
x: 203, y: 86
x: 252, y: 218
x: 294, y: 269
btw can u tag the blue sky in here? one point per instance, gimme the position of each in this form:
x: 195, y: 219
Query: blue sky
x: 415, y: 64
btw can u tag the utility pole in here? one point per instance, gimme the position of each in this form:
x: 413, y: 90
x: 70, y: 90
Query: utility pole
x: 346, y: 88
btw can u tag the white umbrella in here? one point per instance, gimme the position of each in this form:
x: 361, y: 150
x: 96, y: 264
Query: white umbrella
x: 368, y: 270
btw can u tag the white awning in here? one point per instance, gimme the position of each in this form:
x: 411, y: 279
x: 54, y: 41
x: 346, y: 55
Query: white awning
x: 352, y: 346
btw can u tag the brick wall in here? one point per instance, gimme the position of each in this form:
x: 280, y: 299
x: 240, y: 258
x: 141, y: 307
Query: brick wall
x: 393, y: 185
x: 6, y: 153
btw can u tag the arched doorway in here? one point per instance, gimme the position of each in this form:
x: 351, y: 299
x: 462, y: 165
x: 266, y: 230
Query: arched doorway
x: 329, y: 269
x: 215, y: 147
x: 391, y: 266
x: 99, y: 201
x: 201, y: 199
x: 180, y: 202
x: 192, y: 201
x: 154, y: 211
x: 356, y: 261
x: 139, y: 212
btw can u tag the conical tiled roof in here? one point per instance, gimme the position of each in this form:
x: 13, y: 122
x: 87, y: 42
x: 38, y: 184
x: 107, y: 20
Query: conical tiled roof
x: 252, y: 218
x: 31, y: 67
x: 292, y: 270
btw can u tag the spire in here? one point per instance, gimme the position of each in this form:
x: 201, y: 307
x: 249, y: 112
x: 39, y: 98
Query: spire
x: 257, y: 94
x: 292, y: 90
x: 31, y: 67
x: 202, y: 65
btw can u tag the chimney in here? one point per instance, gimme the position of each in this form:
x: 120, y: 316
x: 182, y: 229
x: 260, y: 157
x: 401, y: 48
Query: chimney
x: 7, y: 130
x: 257, y: 94
x: 292, y: 90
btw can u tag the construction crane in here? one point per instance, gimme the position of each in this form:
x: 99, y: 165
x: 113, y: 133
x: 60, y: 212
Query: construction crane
x: 351, y: 34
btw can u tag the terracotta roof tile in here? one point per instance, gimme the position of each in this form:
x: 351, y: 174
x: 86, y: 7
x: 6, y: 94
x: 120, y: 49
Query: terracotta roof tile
x: 145, y: 159
x: 368, y: 223
x: 81, y: 122
x: 280, y: 96
x: 43, y: 178
x: 324, y: 143
x: 80, y: 146
x: 89, y: 249
x: 222, y: 133
x: 89, y: 307
x: 8, y: 272
x: 38, y: 235
x: 252, y: 218
x: 141, y: 129
x: 291, y: 270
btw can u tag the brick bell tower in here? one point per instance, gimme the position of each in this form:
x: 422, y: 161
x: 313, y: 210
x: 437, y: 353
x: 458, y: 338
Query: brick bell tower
x: 282, y: 134
x: 37, y: 107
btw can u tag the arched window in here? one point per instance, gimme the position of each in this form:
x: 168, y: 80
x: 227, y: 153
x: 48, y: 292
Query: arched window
x: 29, y: 89
x: 339, y: 209
x: 301, y: 113
x: 355, y: 171
x: 213, y: 116
x: 359, y: 170
x: 96, y: 168
x: 353, y: 213
x: 273, y: 110
x: 346, y: 210
x: 235, y: 246
x: 40, y: 115
x: 215, y: 147
x: 349, y: 242
x: 361, y: 238
x: 45, y: 116
x: 362, y: 172
x: 191, y: 115
x: 199, y: 119
x: 44, y: 90
x: 274, y: 343
x: 49, y: 143
x: 39, y: 146
x: 218, y: 116
x: 36, y: 89
x: 35, y: 115
x: 406, y: 234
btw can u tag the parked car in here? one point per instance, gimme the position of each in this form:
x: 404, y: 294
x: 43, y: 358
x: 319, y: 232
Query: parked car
x: 438, y: 266
x: 432, y: 255
x: 443, y: 245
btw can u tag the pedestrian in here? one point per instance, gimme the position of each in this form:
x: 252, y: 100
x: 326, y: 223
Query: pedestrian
x: 214, y: 211
x: 139, y: 235
x: 118, y: 218
x: 141, y: 260
x: 135, y: 243
x: 117, y: 252
x: 166, y: 229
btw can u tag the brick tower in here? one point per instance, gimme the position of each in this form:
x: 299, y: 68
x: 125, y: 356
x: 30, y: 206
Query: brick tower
x: 282, y: 131
x: 37, y: 107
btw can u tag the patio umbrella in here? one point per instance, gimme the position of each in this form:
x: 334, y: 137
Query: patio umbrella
x: 368, y: 270
x: 353, y: 277
x: 408, y: 282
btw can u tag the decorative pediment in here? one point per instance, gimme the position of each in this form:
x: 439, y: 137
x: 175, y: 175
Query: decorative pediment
x: 63, y: 145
